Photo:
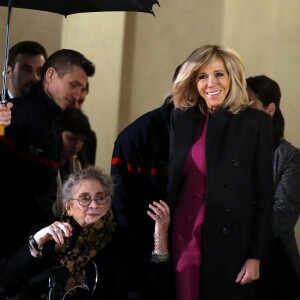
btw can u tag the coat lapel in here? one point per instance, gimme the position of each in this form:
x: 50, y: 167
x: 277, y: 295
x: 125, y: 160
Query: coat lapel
x: 184, y: 124
x: 215, y: 137
x: 183, y: 130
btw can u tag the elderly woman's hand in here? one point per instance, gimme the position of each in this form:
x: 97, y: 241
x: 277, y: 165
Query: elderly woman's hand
x: 160, y: 213
x: 56, y: 231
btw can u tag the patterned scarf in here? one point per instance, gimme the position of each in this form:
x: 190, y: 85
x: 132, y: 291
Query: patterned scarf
x: 82, y: 246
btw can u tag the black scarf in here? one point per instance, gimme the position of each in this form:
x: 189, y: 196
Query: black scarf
x: 83, y: 245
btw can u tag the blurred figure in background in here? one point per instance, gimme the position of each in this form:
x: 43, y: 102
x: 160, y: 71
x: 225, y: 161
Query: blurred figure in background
x: 280, y: 278
x: 140, y: 169
x: 75, y: 127
x: 24, y: 67
x: 87, y: 155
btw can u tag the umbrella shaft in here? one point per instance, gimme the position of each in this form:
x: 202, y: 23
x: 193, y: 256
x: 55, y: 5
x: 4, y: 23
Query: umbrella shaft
x: 3, y: 101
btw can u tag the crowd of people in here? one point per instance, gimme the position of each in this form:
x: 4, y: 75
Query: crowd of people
x: 201, y: 201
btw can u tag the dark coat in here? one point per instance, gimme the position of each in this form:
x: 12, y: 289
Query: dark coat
x: 87, y: 155
x: 280, y: 277
x: 26, y: 277
x: 139, y: 168
x: 238, y: 211
x: 7, y: 97
x: 29, y: 159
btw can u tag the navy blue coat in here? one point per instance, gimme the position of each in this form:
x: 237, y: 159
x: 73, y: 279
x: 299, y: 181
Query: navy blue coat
x: 140, y: 170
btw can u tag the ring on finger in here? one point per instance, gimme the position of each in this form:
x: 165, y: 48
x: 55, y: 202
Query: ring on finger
x: 56, y: 229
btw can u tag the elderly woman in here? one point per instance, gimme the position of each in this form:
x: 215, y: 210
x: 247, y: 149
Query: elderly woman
x: 64, y: 256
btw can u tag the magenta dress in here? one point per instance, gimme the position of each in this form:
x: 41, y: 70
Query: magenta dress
x: 188, y: 220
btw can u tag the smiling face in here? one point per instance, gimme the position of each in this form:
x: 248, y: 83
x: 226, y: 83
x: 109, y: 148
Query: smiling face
x: 213, y: 84
x: 94, y: 211
x: 66, y: 88
x: 79, y: 103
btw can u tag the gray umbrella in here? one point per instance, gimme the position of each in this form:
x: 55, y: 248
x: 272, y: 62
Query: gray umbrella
x: 68, y: 7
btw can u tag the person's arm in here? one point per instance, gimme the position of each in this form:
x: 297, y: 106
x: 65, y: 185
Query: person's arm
x: 286, y: 207
x: 263, y: 198
x: 160, y: 213
x: 160, y: 277
x: 28, y: 261
x: 57, y: 231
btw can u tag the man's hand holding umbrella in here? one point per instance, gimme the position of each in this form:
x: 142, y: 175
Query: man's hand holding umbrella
x: 5, y: 116
x: 65, y: 8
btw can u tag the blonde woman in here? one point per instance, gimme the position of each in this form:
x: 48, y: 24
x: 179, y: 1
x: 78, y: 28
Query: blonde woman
x: 221, y: 184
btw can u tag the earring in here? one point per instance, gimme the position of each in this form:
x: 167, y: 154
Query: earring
x: 69, y: 213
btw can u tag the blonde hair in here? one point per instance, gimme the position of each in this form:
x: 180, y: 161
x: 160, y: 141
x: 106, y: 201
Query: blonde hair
x: 184, y: 89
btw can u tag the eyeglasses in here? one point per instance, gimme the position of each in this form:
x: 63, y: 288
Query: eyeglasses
x: 86, y: 199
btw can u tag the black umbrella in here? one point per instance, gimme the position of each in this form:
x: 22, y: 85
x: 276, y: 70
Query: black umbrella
x: 68, y: 7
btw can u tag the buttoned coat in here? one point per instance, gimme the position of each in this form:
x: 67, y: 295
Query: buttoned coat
x: 239, y: 198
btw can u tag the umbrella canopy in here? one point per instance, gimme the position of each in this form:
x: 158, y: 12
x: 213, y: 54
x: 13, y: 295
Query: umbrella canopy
x: 68, y: 7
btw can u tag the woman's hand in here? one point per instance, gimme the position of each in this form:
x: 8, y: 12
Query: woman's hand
x: 249, y: 271
x: 57, y: 231
x: 160, y: 213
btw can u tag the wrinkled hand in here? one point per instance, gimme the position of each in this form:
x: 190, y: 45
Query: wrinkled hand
x: 160, y: 213
x: 5, y: 114
x: 249, y: 271
x: 57, y: 231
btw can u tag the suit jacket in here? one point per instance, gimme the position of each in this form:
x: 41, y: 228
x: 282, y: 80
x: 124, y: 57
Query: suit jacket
x: 7, y: 98
x: 238, y: 209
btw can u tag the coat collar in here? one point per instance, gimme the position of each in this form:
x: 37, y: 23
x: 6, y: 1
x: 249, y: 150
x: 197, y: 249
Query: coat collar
x: 185, y: 124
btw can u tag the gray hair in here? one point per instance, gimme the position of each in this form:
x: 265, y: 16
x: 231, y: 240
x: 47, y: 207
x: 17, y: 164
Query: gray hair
x: 89, y: 173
